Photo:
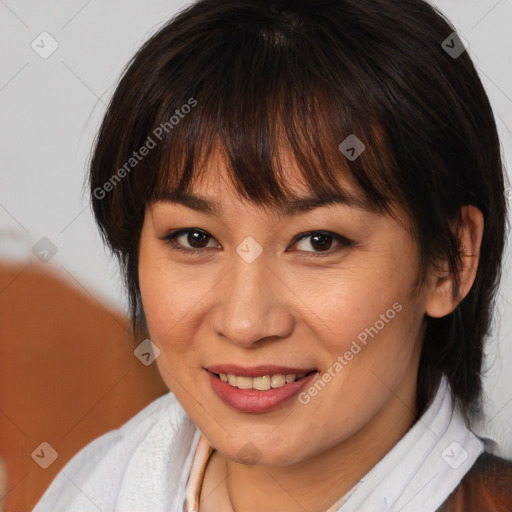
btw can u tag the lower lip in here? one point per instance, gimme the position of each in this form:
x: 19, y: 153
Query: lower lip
x: 252, y: 400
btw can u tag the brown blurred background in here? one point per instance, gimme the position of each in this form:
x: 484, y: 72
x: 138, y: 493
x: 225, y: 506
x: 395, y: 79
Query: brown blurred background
x: 68, y: 374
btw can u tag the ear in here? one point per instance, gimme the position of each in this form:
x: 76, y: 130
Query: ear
x: 470, y: 228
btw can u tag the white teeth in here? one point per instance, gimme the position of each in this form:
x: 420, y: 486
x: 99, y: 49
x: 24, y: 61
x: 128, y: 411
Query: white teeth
x: 262, y: 383
x: 278, y: 381
x: 244, y: 382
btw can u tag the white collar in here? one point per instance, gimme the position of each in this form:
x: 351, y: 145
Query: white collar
x: 424, y: 467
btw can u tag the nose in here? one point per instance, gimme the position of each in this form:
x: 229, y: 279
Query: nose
x: 251, y: 305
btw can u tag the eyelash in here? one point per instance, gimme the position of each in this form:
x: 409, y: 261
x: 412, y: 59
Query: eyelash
x: 343, y: 242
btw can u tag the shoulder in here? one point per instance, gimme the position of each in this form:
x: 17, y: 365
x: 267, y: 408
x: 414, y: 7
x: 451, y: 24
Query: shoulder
x: 487, y: 486
x: 99, y: 469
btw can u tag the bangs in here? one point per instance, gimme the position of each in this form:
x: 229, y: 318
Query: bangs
x: 257, y: 102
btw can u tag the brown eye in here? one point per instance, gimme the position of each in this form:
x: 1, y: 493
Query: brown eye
x: 321, y: 241
x: 197, y: 239
x: 190, y: 240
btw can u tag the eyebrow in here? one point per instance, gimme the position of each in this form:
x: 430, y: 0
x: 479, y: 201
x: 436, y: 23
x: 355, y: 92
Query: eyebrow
x: 293, y: 206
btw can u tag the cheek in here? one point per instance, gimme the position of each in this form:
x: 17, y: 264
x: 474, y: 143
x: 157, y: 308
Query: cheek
x: 175, y: 299
x: 368, y: 331
x: 164, y: 301
x: 168, y: 292
x: 167, y: 302
x: 374, y: 338
x: 371, y: 300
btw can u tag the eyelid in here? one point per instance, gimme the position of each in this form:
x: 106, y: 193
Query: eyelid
x: 343, y: 241
x: 169, y: 238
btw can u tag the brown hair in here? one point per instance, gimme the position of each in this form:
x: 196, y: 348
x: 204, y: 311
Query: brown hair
x: 254, y: 76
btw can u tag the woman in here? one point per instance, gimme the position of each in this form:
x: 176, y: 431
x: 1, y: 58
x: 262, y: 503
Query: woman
x: 307, y: 202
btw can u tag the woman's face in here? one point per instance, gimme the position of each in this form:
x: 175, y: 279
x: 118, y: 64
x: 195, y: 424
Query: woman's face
x: 260, y: 292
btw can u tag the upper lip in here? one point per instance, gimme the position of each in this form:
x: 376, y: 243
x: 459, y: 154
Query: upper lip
x: 256, y: 371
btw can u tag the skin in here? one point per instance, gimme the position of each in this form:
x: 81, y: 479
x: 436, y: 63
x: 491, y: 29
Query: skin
x: 288, y: 308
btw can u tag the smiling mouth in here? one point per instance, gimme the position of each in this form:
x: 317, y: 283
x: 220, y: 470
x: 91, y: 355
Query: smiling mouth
x: 263, y: 382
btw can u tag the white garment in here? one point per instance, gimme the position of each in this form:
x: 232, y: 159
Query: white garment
x: 144, y: 465
x: 424, y: 467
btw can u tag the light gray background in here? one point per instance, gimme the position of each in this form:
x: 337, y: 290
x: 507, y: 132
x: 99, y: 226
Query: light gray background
x: 51, y: 109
